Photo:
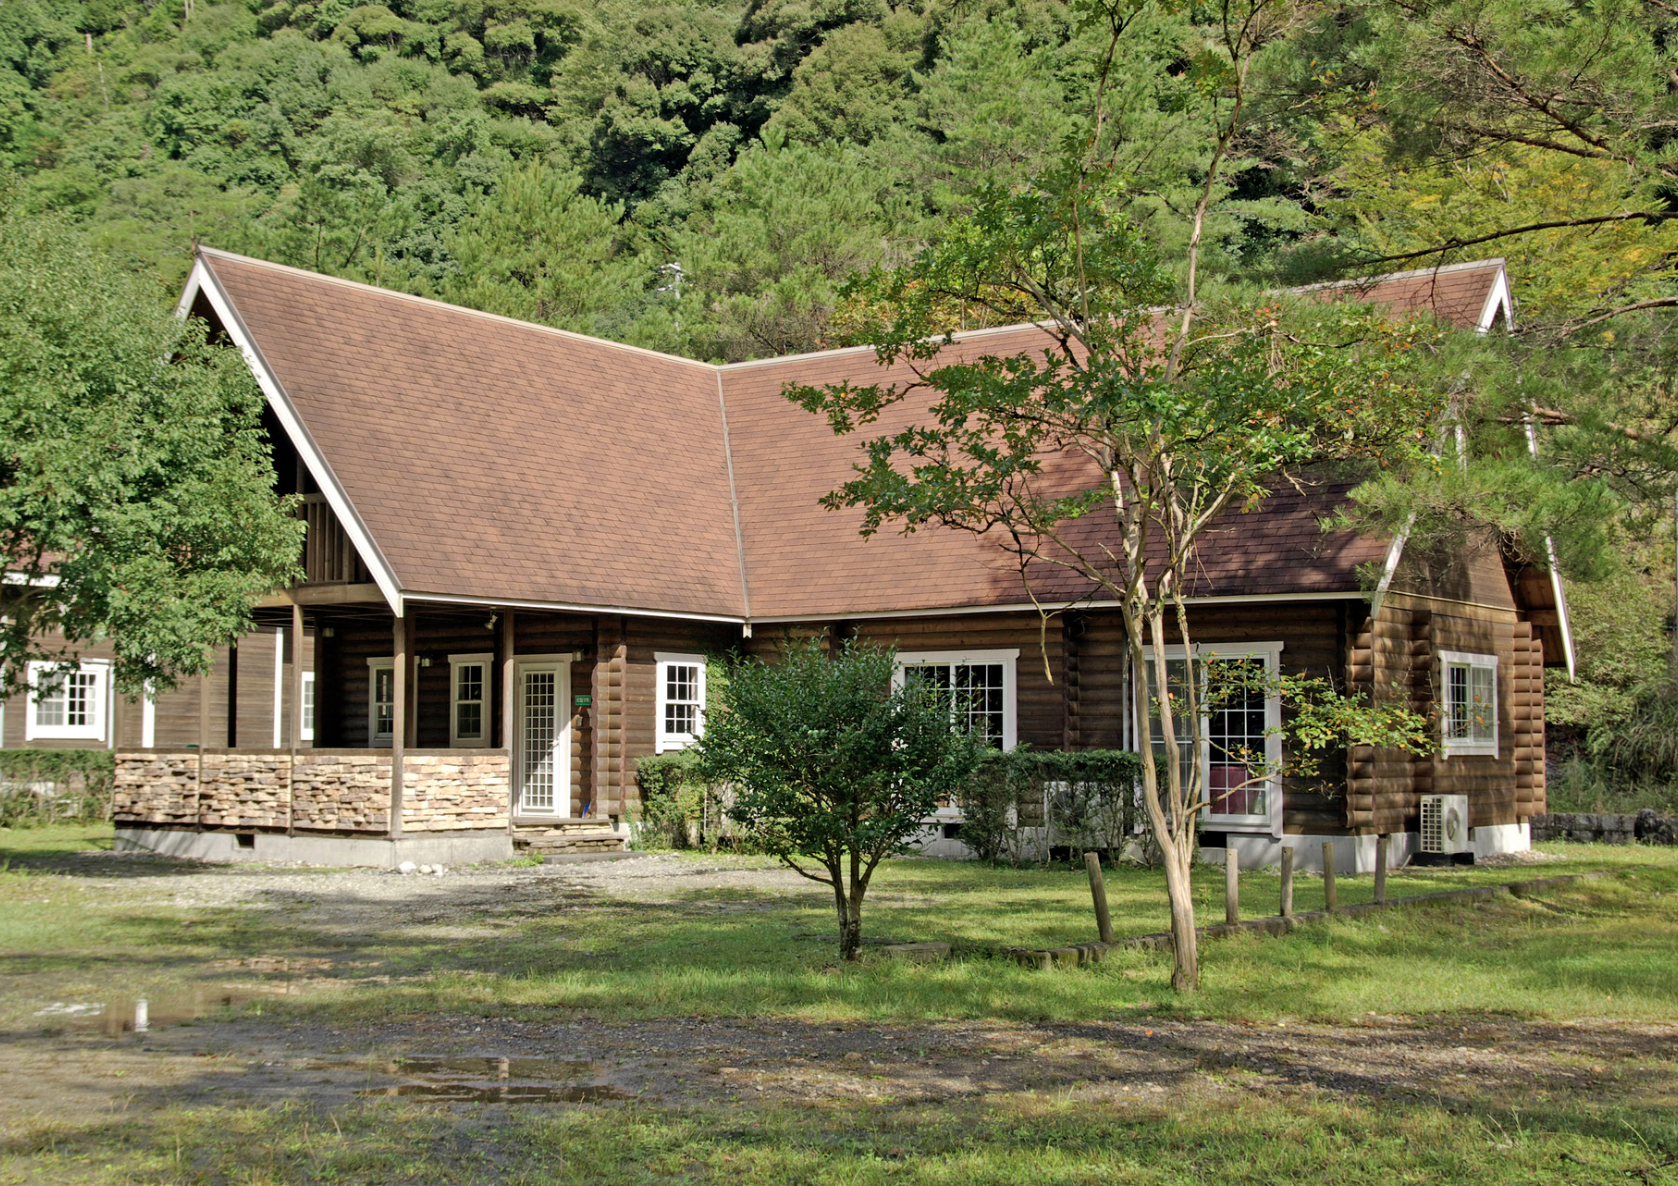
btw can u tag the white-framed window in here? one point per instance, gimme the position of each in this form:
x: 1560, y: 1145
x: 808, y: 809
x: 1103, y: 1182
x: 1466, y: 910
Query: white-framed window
x: 381, y: 701
x: 68, y: 703
x: 681, y: 700
x: 469, y: 699
x: 308, y: 706
x: 1469, y: 711
x: 979, y: 686
x: 1240, y: 736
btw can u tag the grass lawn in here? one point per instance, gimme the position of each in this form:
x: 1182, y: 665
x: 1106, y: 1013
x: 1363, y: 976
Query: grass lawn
x: 551, y: 949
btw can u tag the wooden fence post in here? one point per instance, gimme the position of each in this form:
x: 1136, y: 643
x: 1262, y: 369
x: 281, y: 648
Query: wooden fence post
x: 1381, y: 870
x: 1328, y: 875
x: 1287, y: 881
x: 1098, y: 892
x: 1232, y: 884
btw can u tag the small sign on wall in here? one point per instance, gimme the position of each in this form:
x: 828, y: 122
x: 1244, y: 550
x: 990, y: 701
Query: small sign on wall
x: 581, y: 700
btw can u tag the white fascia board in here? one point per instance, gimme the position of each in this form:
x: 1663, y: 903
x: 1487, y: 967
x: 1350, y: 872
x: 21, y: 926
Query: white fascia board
x: 203, y: 280
x: 1498, y: 299
x: 1050, y: 606
x: 1395, y: 553
x: 575, y: 607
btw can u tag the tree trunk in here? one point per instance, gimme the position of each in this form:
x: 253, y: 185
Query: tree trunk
x: 850, y: 921
x: 1185, y: 945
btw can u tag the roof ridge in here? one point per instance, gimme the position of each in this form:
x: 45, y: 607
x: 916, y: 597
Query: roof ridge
x: 213, y: 253
x: 1498, y: 262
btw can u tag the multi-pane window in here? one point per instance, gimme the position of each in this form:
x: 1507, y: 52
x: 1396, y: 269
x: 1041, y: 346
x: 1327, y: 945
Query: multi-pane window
x: 469, y: 699
x: 1237, y: 737
x: 973, y: 691
x: 1470, y: 709
x: 381, y: 706
x: 681, y: 700
x: 1240, y: 746
x: 308, y: 706
x: 977, y: 687
x: 67, y: 703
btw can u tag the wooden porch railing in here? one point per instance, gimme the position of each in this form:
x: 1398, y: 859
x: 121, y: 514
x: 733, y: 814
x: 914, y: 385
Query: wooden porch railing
x: 329, y: 557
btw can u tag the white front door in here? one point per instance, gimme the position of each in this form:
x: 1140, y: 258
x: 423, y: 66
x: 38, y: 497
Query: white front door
x: 544, y: 739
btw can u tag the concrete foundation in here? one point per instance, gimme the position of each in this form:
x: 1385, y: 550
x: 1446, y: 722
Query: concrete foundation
x: 379, y: 852
x: 1356, y: 854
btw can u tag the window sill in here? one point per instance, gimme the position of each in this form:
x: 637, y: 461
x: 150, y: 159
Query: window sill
x: 1469, y: 751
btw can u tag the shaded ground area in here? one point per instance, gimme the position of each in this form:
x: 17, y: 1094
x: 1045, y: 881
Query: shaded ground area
x: 684, y: 1018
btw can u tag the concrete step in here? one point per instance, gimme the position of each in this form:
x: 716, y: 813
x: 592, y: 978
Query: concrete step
x: 559, y: 841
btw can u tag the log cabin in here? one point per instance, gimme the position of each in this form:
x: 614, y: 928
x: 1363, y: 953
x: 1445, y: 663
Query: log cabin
x: 524, y: 544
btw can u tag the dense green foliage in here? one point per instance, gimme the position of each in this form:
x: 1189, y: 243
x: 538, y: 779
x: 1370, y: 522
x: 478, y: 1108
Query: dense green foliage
x: 703, y: 176
x: 1084, y: 800
x: 44, y: 786
x: 833, y: 769
x: 136, y: 487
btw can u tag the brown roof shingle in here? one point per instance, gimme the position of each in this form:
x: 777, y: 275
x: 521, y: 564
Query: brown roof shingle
x: 496, y: 459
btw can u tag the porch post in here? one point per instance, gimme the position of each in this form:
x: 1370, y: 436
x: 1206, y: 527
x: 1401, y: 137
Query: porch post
x: 399, y: 717
x: 296, y: 677
x: 233, y: 694
x: 504, y: 643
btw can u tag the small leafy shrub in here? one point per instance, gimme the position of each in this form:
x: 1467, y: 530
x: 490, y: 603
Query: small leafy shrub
x: 1020, y: 805
x: 42, y: 786
x: 673, y: 800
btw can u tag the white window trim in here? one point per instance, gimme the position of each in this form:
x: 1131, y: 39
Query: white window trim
x: 1010, y: 663
x: 486, y: 660
x: 307, y: 716
x: 1271, y: 653
x: 1463, y: 747
x: 375, y: 739
x: 99, y: 708
x: 665, y: 741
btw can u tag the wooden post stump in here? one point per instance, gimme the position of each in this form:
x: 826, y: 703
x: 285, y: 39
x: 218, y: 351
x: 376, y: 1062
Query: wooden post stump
x: 1098, y: 893
x: 1380, y: 870
x: 1232, y: 885
x: 1328, y: 875
x: 1287, y: 882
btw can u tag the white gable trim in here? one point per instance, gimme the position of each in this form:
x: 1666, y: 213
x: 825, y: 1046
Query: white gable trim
x: 1497, y: 300
x: 203, y: 280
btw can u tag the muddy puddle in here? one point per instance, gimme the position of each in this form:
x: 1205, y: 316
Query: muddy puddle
x: 141, y: 1014
x: 489, y: 1080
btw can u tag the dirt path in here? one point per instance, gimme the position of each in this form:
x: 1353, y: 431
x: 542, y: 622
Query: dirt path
x: 1493, y: 1063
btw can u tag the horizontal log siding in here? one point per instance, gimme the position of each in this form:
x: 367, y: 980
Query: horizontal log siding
x: 634, y: 681
x: 1397, y: 655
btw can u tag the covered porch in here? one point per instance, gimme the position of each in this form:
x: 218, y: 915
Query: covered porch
x: 338, y: 731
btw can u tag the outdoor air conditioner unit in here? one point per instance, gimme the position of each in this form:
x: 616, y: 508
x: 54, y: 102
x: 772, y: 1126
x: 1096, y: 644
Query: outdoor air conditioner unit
x: 1445, y: 823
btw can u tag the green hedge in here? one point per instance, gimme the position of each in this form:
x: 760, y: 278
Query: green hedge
x: 1087, y: 798
x: 39, y: 786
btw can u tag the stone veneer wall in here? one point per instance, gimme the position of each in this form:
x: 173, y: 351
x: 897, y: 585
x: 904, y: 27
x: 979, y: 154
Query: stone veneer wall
x: 322, y: 791
x: 455, y: 790
x: 156, y: 787
x: 341, y: 790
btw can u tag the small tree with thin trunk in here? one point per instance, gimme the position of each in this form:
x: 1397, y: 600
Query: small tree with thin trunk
x: 1152, y: 402
x: 834, y: 768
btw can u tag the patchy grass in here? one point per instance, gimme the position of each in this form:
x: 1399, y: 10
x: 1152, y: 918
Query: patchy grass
x: 1601, y: 948
x: 1003, y: 1140
x: 547, y: 951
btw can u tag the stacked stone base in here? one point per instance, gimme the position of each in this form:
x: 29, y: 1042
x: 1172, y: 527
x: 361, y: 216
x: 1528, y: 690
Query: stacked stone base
x: 160, y: 794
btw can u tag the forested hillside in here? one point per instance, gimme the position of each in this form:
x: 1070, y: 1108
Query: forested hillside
x: 702, y: 176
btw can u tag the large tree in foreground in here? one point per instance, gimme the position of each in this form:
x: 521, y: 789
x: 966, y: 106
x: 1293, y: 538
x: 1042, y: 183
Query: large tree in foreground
x: 1152, y: 410
x: 136, y: 488
x: 833, y: 767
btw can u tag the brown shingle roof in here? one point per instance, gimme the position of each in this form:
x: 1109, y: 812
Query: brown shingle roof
x: 492, y: 458
x: 495, y: 459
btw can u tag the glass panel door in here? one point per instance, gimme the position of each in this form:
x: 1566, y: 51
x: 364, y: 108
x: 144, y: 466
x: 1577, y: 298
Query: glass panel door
x: 539, y: 738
